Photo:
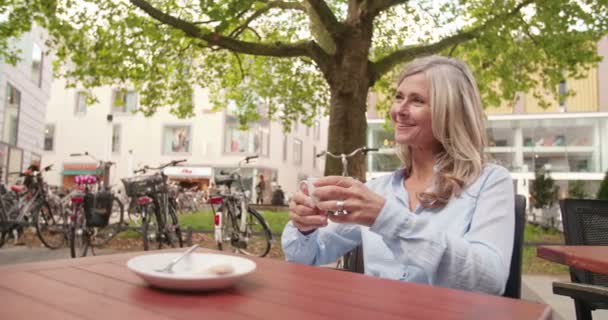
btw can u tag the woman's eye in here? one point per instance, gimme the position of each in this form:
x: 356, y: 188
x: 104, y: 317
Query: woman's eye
x: 398, y: 97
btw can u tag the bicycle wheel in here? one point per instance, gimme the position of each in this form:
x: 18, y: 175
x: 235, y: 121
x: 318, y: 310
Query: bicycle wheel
x: 3, y: 225
x: 151, y: 232
x: 78, y: 234
x: 102, y: 236
x: 257, y: 236
x: 172, y: 229
x: 50, y: 227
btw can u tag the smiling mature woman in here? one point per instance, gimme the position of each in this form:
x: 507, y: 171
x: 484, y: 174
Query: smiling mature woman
x: 445, y: 218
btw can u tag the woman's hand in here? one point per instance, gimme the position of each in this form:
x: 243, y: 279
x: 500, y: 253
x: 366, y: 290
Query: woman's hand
x: 362, y: 204
x: 304, y: 214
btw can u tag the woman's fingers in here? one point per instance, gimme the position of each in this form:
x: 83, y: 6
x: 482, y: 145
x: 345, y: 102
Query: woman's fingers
x: 345, y: 182
x: 301, y: 199
x: 335, y: 193
x: 309, y: 222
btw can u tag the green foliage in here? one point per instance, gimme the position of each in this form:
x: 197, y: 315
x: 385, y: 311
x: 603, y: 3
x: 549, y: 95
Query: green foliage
x: 243, y: 50
x: 576, y: 190
x: 602, y: 193
x: 544, y: 191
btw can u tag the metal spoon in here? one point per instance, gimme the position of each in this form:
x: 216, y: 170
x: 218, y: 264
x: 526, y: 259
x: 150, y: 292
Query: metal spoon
x: 169, y: 267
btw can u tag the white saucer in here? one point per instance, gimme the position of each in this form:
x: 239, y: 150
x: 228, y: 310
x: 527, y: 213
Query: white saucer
x: 193, y: 272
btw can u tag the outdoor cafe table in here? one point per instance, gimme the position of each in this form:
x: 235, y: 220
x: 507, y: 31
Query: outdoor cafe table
x: 103, y: 288
x: 589, y: 258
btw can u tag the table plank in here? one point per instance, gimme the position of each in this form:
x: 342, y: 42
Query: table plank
x: 72, y: 300
x: 590, y: 258
x: 276, y: 290
x: 14, y: 304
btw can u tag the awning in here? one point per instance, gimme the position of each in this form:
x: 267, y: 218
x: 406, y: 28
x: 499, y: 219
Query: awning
x: 76, y: 169
x: 188, y: 172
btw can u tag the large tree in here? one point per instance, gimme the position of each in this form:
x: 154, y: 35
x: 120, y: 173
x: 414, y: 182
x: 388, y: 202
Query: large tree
x: 300, y: 59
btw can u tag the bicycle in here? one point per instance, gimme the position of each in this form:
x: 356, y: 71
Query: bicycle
x: 237, y: 224
x: 152, y: 194
x: 353, y: 260
x: 97, y: 214
x: 25, y: 206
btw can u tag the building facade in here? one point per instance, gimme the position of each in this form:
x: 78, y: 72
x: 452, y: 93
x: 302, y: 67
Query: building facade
x: 210, y: 141
x: 569, y: 138
x: 24, y: 92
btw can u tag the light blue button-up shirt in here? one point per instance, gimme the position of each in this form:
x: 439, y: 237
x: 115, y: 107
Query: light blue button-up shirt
x: 465, y: 245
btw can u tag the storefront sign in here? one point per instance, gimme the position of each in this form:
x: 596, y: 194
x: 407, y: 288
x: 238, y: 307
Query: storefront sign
x: 194, y: 172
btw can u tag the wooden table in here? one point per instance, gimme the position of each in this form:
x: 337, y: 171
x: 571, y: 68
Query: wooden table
x: 589, y: 258
x: 103, y: 288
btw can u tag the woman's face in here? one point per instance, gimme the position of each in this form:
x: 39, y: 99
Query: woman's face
x: 411, y: 113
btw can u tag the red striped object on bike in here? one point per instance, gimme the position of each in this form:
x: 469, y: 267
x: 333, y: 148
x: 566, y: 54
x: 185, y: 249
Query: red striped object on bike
x: 18, y: 189
x: 216, y: 200
x: 144, y: 200
x: 78, y: 199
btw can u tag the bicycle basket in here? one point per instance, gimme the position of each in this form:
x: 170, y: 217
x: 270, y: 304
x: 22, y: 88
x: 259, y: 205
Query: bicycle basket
x: 223, y: 179
x: 98, y: 208
x: 143, y: 185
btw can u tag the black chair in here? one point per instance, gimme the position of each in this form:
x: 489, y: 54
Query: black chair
x: 353, y: 261
x: 513, y: 287
x: 585, y: 223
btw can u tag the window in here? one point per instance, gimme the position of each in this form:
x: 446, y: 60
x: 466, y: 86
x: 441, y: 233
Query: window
x: 37, y: 65
x: 297, y: 151
x: 49, y: 137
x: 256, y: 139
x: 317, y: 130
x: 563, y: 88
x: 314, y: 157
x: 264, y: 141
x: 11, y: 114
x: 307, y: 131
x: 15, y: 164
x: 176, y: 139
x: 284, y: 147
x: 124, y: 101
x: 116, y: 138
x: 81, y: 103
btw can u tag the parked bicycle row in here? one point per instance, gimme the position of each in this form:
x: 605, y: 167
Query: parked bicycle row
x: 90, y: 215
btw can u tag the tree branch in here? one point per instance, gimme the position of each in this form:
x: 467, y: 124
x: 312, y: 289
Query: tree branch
x: 270, y: 5
x: 383, y: 65
x: 327, y: 18
x: 277, y: 49
x: 384, y: 5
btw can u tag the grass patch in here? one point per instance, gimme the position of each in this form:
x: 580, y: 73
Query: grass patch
x: 531, y: 264
x: 203, y: 220
x: 537, y: 234
x: 129, y: 234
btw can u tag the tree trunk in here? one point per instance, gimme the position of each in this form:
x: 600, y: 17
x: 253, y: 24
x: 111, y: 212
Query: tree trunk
x: 347, y: 132
x: 349, y: 81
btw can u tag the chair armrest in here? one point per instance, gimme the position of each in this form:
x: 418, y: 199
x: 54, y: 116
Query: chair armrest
x: 587, y: 292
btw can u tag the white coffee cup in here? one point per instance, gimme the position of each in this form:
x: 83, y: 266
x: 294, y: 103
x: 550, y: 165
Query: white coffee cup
x: 311, y: 188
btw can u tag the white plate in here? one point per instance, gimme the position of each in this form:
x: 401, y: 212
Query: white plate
x: 192, y: 272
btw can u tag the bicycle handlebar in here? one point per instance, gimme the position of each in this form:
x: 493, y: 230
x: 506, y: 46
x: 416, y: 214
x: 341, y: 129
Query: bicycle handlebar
x: 364, y: 150
x: 162, y: 166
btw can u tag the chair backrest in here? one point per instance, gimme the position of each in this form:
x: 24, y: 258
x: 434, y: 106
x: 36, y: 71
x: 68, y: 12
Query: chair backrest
x: 585, y: 223
x: 513, y: 287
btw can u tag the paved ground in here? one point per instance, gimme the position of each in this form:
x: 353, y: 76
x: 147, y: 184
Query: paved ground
x: 535, y: 287
x: 23, y: 254
x: 539, y: 288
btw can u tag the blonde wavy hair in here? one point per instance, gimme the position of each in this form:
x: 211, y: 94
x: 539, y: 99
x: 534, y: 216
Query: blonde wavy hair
x: 457, y: 124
